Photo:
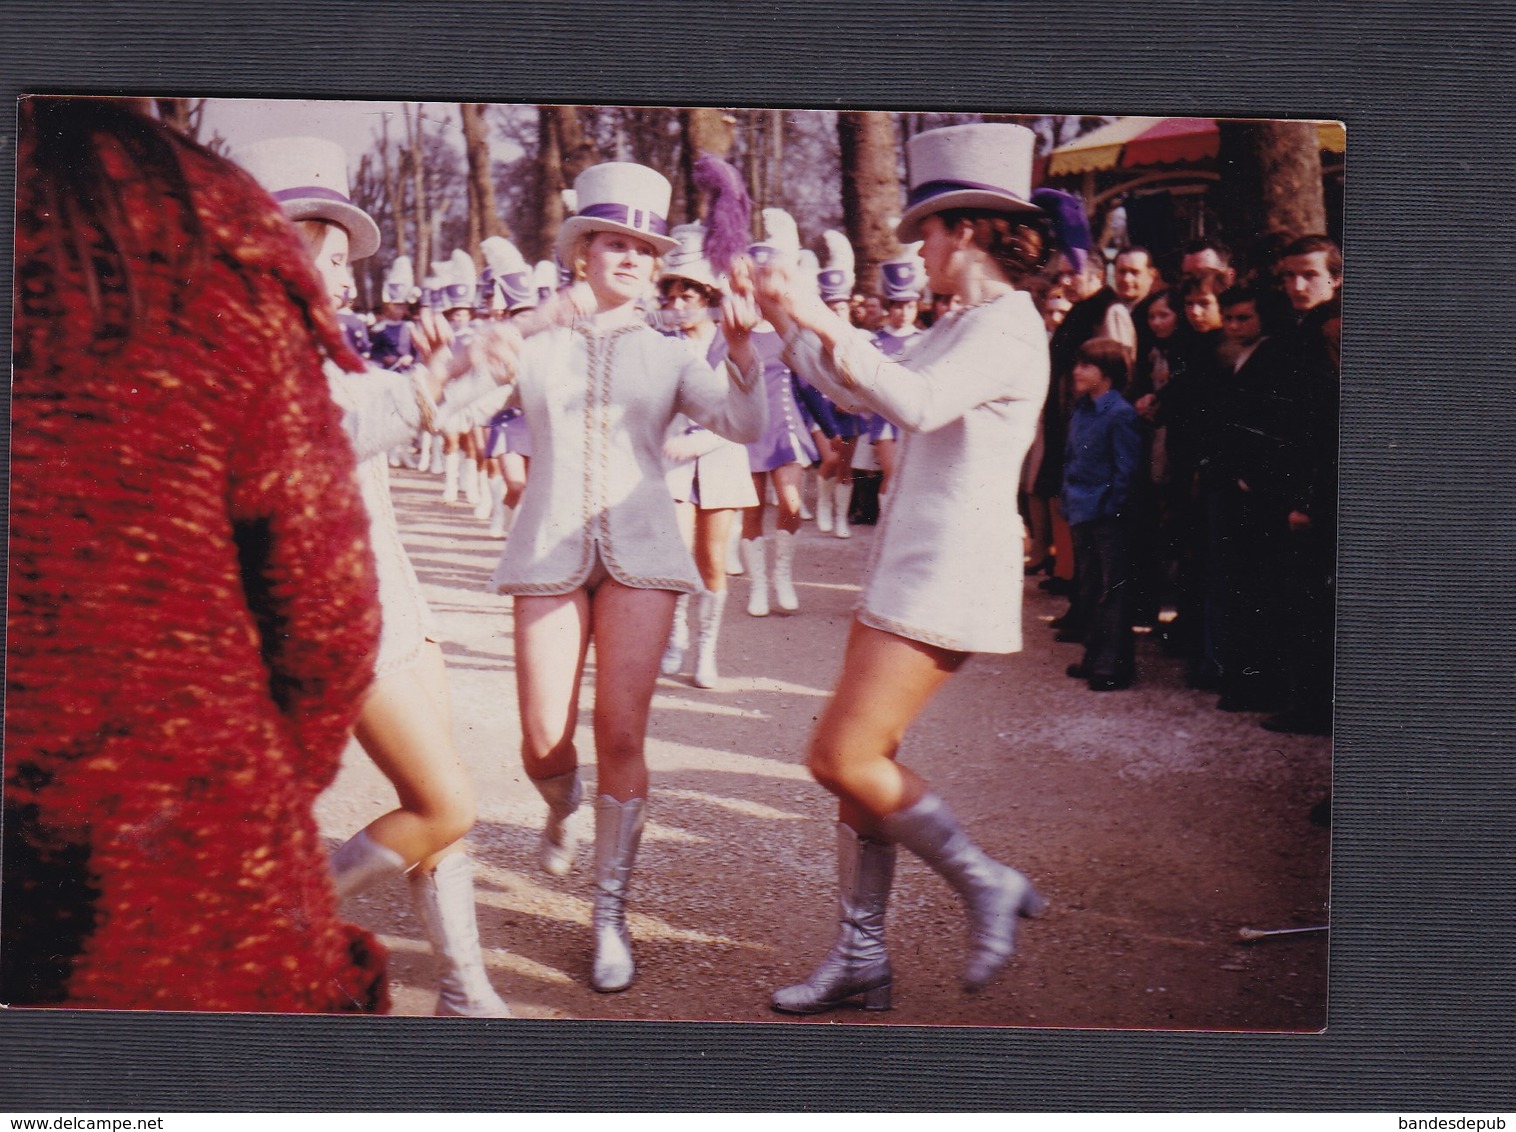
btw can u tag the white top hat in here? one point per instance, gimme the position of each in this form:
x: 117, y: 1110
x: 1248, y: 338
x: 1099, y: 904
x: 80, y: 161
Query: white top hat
x: 620, y: 196
x: 981, y: 165
x: 511, y: 272
x: 459, y: 281
x: 400, y: 281
x: 308, y: 177
x: 688, y: 261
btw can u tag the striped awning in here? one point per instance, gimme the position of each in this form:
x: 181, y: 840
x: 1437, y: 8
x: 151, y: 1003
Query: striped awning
x: 1139, y: 143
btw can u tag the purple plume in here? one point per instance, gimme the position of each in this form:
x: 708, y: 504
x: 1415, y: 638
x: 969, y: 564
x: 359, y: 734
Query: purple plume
x: 1071, y: 228
x: 728, y: 211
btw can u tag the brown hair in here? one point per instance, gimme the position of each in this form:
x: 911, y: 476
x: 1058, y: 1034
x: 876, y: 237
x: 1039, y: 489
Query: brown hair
x: 1206, y: 281
x: 1018, y: 242
x: 1112, y: 358
x: 711, y: 295
x: 1307, y: 245
x: 313, y: 232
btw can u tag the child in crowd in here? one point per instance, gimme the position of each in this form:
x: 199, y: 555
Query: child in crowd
x: 1101, y: 464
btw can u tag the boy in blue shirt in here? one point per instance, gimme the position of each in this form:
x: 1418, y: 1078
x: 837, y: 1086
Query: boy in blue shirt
x: 1101, y: 463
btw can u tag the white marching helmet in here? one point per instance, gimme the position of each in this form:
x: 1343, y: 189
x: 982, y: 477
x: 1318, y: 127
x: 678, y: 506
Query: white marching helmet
x: 460, y: 281
x: 835, y: 280
x: 547, y: 278
x: 400, y: 281
x: 308, y: 177
x: 903, y: 277
x: 620, y: 196
x: 514, y: 277
x: 434, y: 287
x: 687, y: 261
x: 980, y: 165
x: 781, y: 239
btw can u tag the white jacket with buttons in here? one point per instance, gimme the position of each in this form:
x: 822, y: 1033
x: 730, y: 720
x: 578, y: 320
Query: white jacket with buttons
x: 966, y: 395
x: 598, y: 404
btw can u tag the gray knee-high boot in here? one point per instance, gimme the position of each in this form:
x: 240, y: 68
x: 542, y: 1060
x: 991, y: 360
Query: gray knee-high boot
x: 361, y: 862
x: 994, y: 894
x: 618, y: 832
x: 562, y: 793
x: 858, y: 964
x: 445, y: 900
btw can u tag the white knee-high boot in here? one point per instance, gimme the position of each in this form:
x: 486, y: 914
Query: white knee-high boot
x: 424, y: 456
x: 618, y: 833
x: 708, y: 619
x: 858, y: 964
x: 824, y: 488
x: 468, y: 479
x: 754, y: 557
x: 844, y: 500
x: 445, y: 899
x: 679, y: 638
x: 451, y: 463
x: 484, y: 493
x: 500, y: 514
x: 994, y: 894
x: 360, y: 862
x: 562, y: 793
x: 784, y: 571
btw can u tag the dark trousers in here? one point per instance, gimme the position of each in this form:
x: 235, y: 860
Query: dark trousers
x: 1247, y: 589
x: 1103, y: 563
x: 1309, y: 620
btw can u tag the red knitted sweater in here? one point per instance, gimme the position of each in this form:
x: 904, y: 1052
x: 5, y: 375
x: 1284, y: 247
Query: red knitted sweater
x: 192, y: 614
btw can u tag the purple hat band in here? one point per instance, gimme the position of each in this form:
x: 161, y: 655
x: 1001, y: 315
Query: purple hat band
x: 929, y: 189
x: 312, y: 192
x: 641, y: 219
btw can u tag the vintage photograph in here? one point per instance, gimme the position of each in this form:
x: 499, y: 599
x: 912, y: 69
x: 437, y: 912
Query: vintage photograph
x: 672, y: 564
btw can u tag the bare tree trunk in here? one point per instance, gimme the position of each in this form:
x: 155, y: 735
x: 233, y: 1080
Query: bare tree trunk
x: 705, y: 130
x: 563, y: 152
x: 870, y: 189
x: 484, y: 216
x: 1270, y: 180
x: 414, y: 126
x: 392, y: 188
x: 775, y: 179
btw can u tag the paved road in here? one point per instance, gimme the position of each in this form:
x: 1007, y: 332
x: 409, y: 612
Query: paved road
x: 1156, y: 825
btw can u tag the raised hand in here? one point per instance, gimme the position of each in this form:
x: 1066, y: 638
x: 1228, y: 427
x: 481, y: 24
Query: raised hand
x: 495, y: 349
x: 433, y: 333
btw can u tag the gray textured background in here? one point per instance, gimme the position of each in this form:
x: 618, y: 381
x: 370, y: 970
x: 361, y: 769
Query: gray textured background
x: 1423, y: 981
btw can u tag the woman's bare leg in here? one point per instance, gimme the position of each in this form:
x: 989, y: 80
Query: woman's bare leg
x: 886, y: 682
x: 712, y: 529
x: 630, y: 626
x: 787, y: 488
x: 552, y: 637
x: 405, y: 727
